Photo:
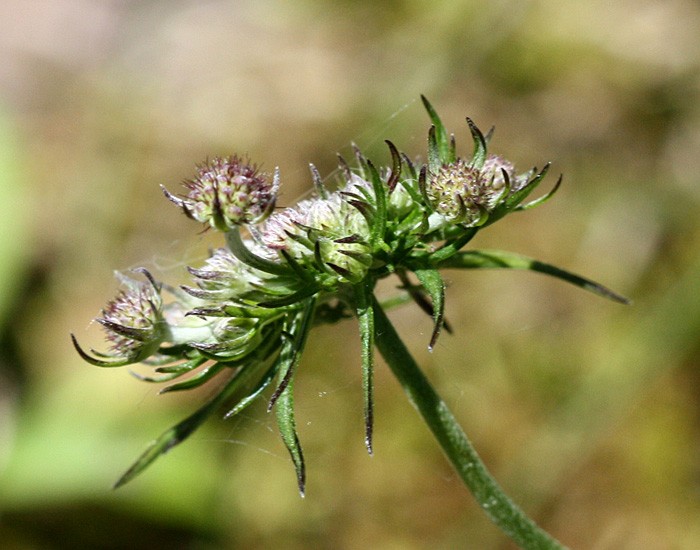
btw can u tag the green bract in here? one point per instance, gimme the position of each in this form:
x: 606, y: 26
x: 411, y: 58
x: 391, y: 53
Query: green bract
x: 248, y: 311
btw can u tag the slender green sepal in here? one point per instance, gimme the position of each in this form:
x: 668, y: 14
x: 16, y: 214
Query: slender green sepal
x: 499, y: 259
x: 542, y: 199
x: 479, y: 155
x: 395, y: 166
x: 299, y: 270
x: 170, y: 372
x: 167, y: 377
x: 290, y: 299
x: 519, y: 196
x: 434, y: 160
x: 181, y: 368
x: 98, y: 362
x: 442, y: 142
x: 378, y: 226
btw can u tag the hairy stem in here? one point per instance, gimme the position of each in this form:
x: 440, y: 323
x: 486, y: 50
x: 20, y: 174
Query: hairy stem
x: 454, y: 442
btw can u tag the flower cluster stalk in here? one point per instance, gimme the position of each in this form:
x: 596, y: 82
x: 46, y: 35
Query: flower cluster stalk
x: 500, y: 509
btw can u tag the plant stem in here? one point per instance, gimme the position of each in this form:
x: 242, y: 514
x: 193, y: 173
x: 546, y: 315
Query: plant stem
x: 454, y: 442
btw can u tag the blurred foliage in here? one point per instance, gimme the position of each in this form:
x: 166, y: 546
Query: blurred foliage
x: 587, y: 412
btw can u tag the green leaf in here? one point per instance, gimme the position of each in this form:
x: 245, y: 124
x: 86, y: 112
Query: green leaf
x: 435, y: 286
x: 257, y: 390
x: 197, y: 380
x: 499, y: 259
x: 283, y: 398
x: 181, y: 431
x: 451, y: 247
x: 284, y: 412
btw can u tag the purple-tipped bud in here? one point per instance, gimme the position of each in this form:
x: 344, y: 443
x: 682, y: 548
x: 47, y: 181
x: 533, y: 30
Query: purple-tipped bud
x: 133, y: 324
x: 228, y: 192
x: 461, y: 193
x: 456, y: 192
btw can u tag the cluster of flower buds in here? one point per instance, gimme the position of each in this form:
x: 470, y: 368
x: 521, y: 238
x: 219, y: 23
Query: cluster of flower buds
x: 251, y: 305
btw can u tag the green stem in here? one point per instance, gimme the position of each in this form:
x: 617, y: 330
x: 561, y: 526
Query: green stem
x: 454, y: 442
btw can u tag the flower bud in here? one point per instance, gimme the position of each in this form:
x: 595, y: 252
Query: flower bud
x: 228, y: 192
x: 133, y: 323
x: 456, y: 192
x: 328, y: 234
x: 223, y: 277
x: 463, y: 194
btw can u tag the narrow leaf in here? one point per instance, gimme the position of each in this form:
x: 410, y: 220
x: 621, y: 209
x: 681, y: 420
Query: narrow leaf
x: 292, y: 348
x: 284, y: 412
x: 178, y: 433
x: 283, y: 398
x: 257, y: 390
x: 435, y: 286
x: 197, y: 380
x: 499, y: 259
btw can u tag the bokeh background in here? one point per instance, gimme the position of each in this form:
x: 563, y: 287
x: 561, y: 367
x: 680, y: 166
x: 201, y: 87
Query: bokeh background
x: 586, y: 411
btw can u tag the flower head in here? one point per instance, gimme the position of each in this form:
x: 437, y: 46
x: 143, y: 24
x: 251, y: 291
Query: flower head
x: 464, y: 194
x: 456, y: 191
x: 327, y: 234
x: 223, y: 277
x: 228, y: 192
x: 133, y: 323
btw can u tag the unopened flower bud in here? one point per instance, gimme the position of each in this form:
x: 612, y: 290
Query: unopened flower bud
x: 133, y: 323
x: 456, y: 192
x: 228, y: 192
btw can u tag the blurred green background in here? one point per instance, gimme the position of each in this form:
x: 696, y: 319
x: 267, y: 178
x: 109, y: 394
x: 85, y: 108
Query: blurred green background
x: 587, y: 412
